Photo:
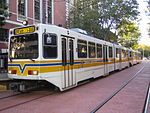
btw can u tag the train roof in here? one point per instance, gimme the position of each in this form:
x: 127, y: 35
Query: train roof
x: 81, y: 34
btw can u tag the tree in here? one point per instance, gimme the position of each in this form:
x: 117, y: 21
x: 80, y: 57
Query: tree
x: 3, y: 12
x: 148, y: 7
x: 145, y: 50
x: 85, y: 15
x: 129, y: 34
x: 113, y: 12
x: 101, y: 16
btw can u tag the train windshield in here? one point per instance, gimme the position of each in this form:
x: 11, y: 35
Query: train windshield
x: 24, y: 46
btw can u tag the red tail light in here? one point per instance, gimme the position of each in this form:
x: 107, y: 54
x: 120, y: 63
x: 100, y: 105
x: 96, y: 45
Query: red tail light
x: 32, y: 72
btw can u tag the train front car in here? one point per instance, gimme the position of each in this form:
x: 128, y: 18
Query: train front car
x: 23, y: 61
x: 41, y: 53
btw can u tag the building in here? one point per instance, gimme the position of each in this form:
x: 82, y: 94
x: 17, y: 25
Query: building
x: 34, y: 11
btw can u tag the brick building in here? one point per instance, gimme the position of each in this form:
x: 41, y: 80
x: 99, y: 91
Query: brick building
x: 34, y: 11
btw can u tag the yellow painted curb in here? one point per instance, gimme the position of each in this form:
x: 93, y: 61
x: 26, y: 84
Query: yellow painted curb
x: 3, y: 87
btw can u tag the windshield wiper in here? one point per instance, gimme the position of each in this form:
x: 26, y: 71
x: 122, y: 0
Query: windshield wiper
x: 10, y: 59
x: 32, y: 60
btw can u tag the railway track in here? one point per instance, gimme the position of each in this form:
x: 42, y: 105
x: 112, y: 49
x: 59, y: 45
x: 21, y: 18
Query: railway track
x: 10, y: 94
x: 146, y: 104
x: 23, y: 102
x: 19, y: 102
x: 100, y: 105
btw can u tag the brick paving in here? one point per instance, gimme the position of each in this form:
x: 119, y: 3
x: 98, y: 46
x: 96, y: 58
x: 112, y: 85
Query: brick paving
x: 86, y: 97
x: 148, y: 111
x: 131, y: 99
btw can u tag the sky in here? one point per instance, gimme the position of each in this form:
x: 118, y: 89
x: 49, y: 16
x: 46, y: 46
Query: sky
x: 145, y: 39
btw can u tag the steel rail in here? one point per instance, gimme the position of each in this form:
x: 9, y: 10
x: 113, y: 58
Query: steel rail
x: 21, y: 103
x: 145, y: 108
x: 11, y: 95
x: 116, y: 92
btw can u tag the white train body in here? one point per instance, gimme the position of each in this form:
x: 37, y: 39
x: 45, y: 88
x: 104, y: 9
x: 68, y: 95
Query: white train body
x: 63, y: 57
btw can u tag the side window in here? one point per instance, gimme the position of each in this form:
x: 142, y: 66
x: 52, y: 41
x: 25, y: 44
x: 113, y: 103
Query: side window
x: 99, y: 51
x: 49, y: 45
x: 127, y: 53
x: 130, y: 54
x: 110, y: 52
x: 123, y: 53
x: 91, y: 48
x: 117, y: 53
x: 82, y: 49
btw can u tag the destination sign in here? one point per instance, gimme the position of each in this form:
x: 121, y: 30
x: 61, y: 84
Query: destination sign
x: 24, y: 30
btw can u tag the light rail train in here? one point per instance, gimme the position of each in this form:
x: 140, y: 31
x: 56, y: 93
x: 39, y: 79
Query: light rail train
x: 62, y: 57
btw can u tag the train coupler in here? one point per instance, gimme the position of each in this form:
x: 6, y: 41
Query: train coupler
x: 17, y: 87
x: 24, y: 86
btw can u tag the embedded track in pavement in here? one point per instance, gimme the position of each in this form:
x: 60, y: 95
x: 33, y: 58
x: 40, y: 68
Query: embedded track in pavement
x: 116, y: 92
x: 8, y: 94
x: 147, y: 104
x: 86, y: 98
x: 22, y: 98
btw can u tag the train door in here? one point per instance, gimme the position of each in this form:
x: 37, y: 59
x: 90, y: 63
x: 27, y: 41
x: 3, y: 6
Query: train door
x: 120, y: 59
x: 105, y: 59
x: 69, y: 79
x: 114, y: 57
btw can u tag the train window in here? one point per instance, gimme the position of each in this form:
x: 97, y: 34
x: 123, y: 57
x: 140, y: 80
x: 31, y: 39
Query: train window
x: 49, y: 39
x: 91, y: 48
x: 127, y: 53
x: 110, y: 52
x: 130, y: 54
x: 99, y: 51
x: 82, y: 49
x: 49, y: 45
x: 24, y: 46
x: 123, y: 53
x: 117, y: 53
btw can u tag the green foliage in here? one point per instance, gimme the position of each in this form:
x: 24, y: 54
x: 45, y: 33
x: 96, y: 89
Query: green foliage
x: 113, y: 12
x: 144, y: 50
x: 129, y: 34
x: 3, y: 12
x: 101, y: 16
x: 85, y: 15
x: 148, y: 7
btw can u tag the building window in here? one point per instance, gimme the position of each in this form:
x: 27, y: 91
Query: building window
x: 49, y: 11
x: 21, y: 9
x: 37, y: 9
x: 4, y: 34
